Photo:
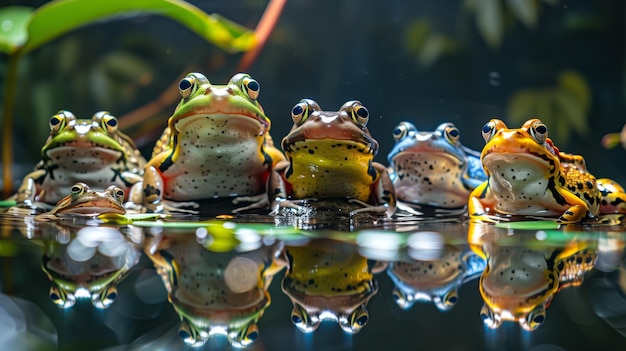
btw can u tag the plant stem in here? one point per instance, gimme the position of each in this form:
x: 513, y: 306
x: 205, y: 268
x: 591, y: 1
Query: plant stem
x: 10, y: 89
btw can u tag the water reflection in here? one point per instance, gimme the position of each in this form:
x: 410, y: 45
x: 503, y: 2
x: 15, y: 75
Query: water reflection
x: 218, y: 285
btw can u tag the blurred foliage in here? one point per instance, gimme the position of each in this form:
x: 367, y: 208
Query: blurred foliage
x: 563, y: 108
x: 494, y: 17
x: 612, y: 140
x: 425, y: 44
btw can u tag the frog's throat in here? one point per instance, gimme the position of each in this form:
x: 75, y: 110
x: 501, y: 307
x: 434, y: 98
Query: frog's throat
x: 92, y: 207
x: 363, y: 145
x: 426, y: 154
x: 243, y: 114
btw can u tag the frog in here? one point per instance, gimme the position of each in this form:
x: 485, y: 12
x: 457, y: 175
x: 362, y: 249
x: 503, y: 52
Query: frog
x: 522, y: 278
x: 215, y: 290
x: 216, y: 145
x: 82, y: 201
x: 91, y: 151
x: 330, y: 154
x: 433, y: 168
x: 529, y: 176
x: 88, y: 262
x: 434, y: 279
x: 328, y: 280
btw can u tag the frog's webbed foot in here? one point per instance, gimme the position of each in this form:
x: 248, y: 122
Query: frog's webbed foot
x: 257, y: 202
x: 29, y: 207
x: 367, y: 208
x: 574, y: 214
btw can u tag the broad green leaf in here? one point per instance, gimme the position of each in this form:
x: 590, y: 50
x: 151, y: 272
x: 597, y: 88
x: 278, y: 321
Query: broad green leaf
x: 415, y: 35
x: 433, y: 48
x: 571, y: 112
x: 576, y: 84
x: 58, y: 17
x: 526, y: 11
x: 489, y: 21
x: 13, y: 27
x: 521, y: 106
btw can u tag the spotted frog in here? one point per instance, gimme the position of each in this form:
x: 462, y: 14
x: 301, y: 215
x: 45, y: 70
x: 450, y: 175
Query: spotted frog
x: 82, y: 201
x: 91, y: 151
x: 221, y: 292
x: 328, y: 280
x: 330, y: 155
x: 433, y: 168
x: 216, y: 145
x: 521, y: 277
x: 529, y: 176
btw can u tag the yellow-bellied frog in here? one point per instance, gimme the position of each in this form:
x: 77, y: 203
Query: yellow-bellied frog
x: 92, y: 151
x: 523, y: 275
x: 88, y: 263
x: 216, y: 145
x: 434, y: 271
x: 215, y: 291
x: 433, y: 168
x: 330, y: 155
x: 328, y: 280
x: 529, y: 176
x: 82, y: 201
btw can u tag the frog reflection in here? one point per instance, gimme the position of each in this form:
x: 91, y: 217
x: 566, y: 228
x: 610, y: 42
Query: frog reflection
x: 328, y: 280
x: 220, y: 290
x: 87, y: 263
x: 435, y: 270
x: 523, y: 275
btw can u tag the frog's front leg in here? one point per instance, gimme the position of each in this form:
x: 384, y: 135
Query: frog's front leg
x: 257, y: 202
x: 152, y: 195
x: 574, y: 214
x: 383, y: 194
x: 28, y: 192
x: 278, y: 190
x: 478, y: 199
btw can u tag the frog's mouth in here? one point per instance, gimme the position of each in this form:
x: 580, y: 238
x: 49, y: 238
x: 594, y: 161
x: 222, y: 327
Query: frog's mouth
x: 93, y: 207
x: 223, y: 125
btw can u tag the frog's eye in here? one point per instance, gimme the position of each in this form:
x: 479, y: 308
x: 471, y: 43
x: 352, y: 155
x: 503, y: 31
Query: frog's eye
x: 108, y: 122
x: 401, y: 131
x: 539, y: 132
x: 360, y: 115
x: 60, y: 298
x: 534, y: 319
x: 403, y: 300
x: 452, y: 134
x: 490, y: 319
x: 78, y: 189
x: 104, y: 299
x: 187, y: 86
x: 117, y: 193
x: 300, y: 112
x: 358, y: 319
x: 190, y: 335
x: 447, y: 301
x: 251, y: 87
x: 489, y: 130
x: 60, y: 120
x: 247, y: 336
x: 302, y: 320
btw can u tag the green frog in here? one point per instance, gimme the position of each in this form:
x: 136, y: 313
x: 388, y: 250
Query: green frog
x: 331, y: 155
x: 529, y: 176
x: 328, y: 280
x: 216, y: 145
x: 221, y: 292
x: 82, y: 201
x: 91, y: 151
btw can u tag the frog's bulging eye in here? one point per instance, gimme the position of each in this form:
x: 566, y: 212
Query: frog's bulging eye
x: 104, y: 299
x: 301, y: 319
x: 452, y: 134
x: 490, y: 319
x: 109, y: 123
x: 186, y: 86
x: 534, y: 319
x: 403, y: 300
x: 251, y: 87
x: 400, y: 131
x: 60, y: 120
x: 78, y: 189
x: 300, y: 112
x: 358, y: 319
x: 539, y: 131
x: 447, y: 301
x: 247, y: 337
x: 60, y: 298
x: 117, y: 193
x: 489, y: 130
x: 360, y: 115
x: 190, y: 335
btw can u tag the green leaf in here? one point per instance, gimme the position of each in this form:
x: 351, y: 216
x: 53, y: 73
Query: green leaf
x: 489, y: 21
x: 576, y: 84
x: 526, y: 11
x: 13, y: 27
x: 570, y: 111
x: 521, y: 106
x: 58, y: 17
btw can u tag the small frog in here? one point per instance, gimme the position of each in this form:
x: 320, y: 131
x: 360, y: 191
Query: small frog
x: 216, y: 145
x: 88, y: 263
x: 433, y: 168
x: 328, y: 280
x: 522, y: 277
x: 529, y: 176
x: 222, y: 292
x: 92, y: 151
x: 82, y: 201
x: 330, y: 155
